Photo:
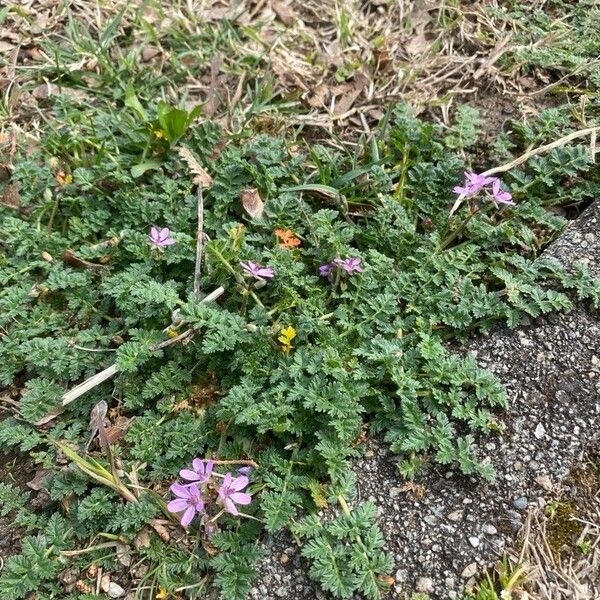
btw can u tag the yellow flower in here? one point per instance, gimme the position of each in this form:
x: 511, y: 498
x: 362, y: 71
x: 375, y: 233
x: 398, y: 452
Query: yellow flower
x: 159, y: 133
x: 285, y: 338
x: 172, y: 332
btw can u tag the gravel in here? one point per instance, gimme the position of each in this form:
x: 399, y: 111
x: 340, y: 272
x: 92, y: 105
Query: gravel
x: 445, y: 539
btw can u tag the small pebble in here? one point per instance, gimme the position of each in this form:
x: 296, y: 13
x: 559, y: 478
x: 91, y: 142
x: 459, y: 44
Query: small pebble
x: 540, y: 431
x: 489, y: 529
x: 544, y: 482
x: 425, y: 585
x: 469, y: 571
x: 474, y: 541
x: 520, y: 503
x: 115, y: 590
x: 455, y: 516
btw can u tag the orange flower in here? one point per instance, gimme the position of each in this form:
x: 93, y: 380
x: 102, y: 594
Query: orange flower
x: 288, y: 239
x: 63, y: 179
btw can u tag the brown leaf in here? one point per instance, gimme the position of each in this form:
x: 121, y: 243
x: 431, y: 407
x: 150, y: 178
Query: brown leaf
x: 318, y: 97
x: 159, y: 527
x: 97, y: 422
x: 41, y: 92
x: 11, y: 197
x: 150, y: 52
x: 347, y: 100
x: 283, y: 11
x: 252, y: 203
x: 213, y: 101
x: 36, y: 484
x: 115, y: 432
x: 142, y: 539
x: 202, y: 178
x: 70, y: 259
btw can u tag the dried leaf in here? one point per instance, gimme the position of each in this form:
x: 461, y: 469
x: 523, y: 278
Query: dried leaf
x: 124, y: 555
x: 115, y: 432
x: 45, y: 90
x: 70, y: 259
x: 97, y: 420
x: 36, y: 484
x: 283, y: 11
x: 318, y: 97
x: 252, y: 203
x: 202, y: 178
x: 415, y: 490
x: 11, y: 197
x: 142, y: 539
x: 347, y: 100
x: 160, y: 528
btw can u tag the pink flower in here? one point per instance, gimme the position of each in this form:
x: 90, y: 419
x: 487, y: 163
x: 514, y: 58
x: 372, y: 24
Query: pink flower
x: 473, y: 184
x: 256, y: 271
x: 230, y: 494
x: 188, y: 500
x: 161, y: 238
x: 500, y: 195
x: 201, y: 473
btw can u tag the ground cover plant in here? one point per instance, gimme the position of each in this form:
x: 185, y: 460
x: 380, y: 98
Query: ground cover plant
x: 346, y: 275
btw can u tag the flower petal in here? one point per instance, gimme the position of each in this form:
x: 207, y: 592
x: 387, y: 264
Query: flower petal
x: 163, y: 234
x: 177, y: 505
x: 239, y: 483
x: 182, y: 491
x: 230, y: 507
x: 241, y: 498
x: 188, y: 515
x: 168, y: 242
x: 154, y: 233
x: 198, y: 465
x: 189, y: 475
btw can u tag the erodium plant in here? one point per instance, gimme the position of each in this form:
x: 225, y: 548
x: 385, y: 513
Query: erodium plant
x: 346, y: 292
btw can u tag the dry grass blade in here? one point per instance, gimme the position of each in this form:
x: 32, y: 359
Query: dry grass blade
x: 202, y: 179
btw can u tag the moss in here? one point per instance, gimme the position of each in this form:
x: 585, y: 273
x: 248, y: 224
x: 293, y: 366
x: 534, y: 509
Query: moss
x: 562, y: 531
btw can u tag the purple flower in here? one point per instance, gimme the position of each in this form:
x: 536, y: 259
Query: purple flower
x: 325, y: 270
x: 349, y: 266
x: 230, y: 494
x: 244, y: 470
x: 500, y: 195
x: 473, y: 184
x: 188, y: 500
x: 161, y: 238
x: 256, y: 271
x: 202, y: 470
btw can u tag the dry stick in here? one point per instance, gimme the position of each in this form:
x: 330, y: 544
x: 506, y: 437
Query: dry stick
x: 109, y: 372
x: 199, y: 243
x: 525, y: 157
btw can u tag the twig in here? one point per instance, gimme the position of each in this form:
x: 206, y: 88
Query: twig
x: 541, y: 149
x: 241, y: 461
x: 199, y: 243
x: 530, y: 154
x: 109, y: 372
